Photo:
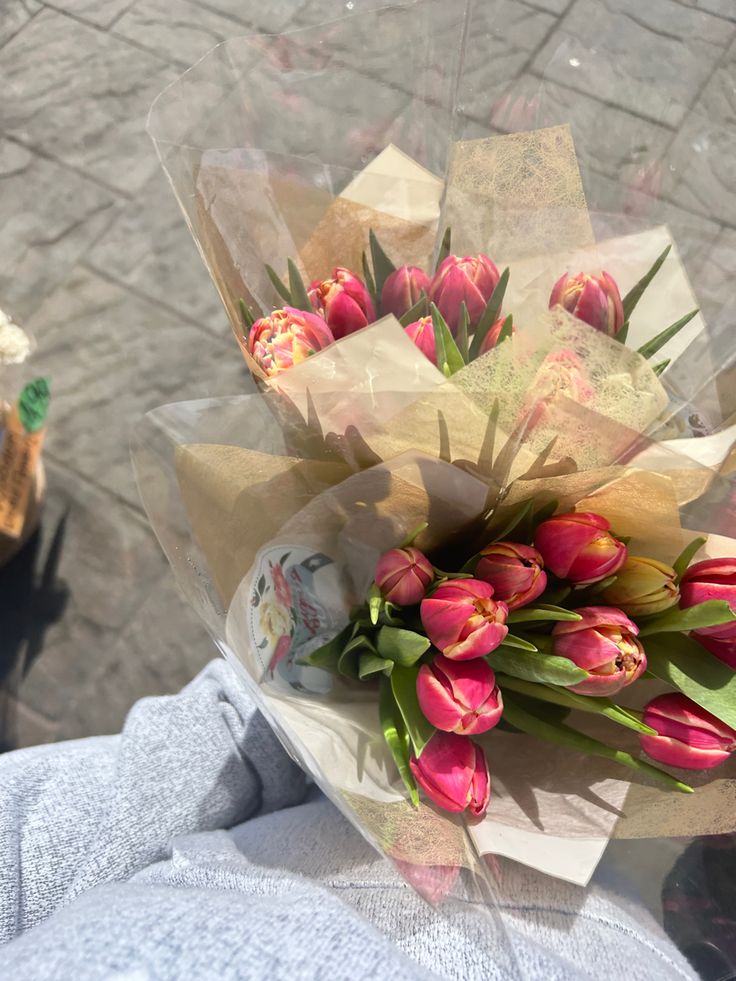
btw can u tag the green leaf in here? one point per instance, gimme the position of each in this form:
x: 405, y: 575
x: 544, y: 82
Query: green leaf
x: 369, y: 281
x: 542, y: 611
x: 544, y: 512
x: 382, y: 265
x: 623, y: 333
x: 685, y: 557
x: 396, y: 738
x: 485, y: 457
x: 651, y: 347
x: 404, y: 688
x: 449, y: 358
x: 245, y: 315
x: 571, y: 700
x: 414, y: 313
x: 520, y: 644
x: 565, y: 735
x: 708, y: 614
x: 414, y: 534
x: 278, y: 285
x: 507, y: 329
x: 684, y: 664
x: 543, y: 668
x: 444, y: 434
x: 401, y: 645
x: 299, y: 297
x: 374, y: 603
x: 490, y: 314
x: 328, y: 655
x: 661, y: 367
x: 370, y: 664
x: 636, y: 292
x: 501, y: 530
x: 462, y: 332
x: 445, y: 246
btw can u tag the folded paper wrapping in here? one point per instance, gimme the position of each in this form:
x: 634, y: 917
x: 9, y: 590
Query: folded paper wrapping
x: 538, y: 789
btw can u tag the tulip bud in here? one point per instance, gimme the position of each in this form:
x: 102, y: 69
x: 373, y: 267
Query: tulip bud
x: 343, y: 301
x: 711, y: 579
x: 471, y: 279
x: 462, y: 621
x: 402, y: 290
x: 422, y: 333
x: 286, y: 337
x: 403, y: 576
x: 594, y: 299
x: 687, y: 735
x: 577, y: 546
x: 491, y: 338
x: 643, y: 587
x: 604, y: 644
x: 452, y: 771
x: 724, y: 650
x: 459, y: 696
x: 514, y: 571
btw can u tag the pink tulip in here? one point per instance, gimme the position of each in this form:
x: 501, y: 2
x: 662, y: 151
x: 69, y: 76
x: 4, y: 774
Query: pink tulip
x: 711, y: 579
x: 422, y: 333
x: 491, y: 338
x: 287, y: 337
x: 594, y: 299
x: 403, y: 289
x: 462, y: 620
x: 452, y: 771
x: 343, y: 301
x: 724, y: 650
x: 459, y: 696
x: 514, y: 571
x: 577, y: 546
x: 472, y: 279
x: 688, y: 736
x: 604, y: 644
x: 403, y: 576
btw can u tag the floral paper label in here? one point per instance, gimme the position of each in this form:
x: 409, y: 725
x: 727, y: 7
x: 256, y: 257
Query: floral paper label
x: 293, y: 606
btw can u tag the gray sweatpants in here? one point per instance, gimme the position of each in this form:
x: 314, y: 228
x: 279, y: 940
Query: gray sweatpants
x: 191, y: 847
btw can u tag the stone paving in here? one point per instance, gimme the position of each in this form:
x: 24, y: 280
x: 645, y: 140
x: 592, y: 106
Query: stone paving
x: 96, y: 260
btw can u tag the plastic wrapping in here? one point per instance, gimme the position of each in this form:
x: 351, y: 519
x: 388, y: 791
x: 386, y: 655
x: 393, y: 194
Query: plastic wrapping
x: 273, y: 508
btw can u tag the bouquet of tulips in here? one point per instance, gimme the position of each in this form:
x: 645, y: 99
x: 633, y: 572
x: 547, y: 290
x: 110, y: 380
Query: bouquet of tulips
x: 550, y: 615
x: 413, y: 608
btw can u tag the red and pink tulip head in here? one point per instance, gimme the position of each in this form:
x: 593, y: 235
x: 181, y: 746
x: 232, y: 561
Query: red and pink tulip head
x: 422, y: 333
x: 603, y: 643
x: 343, y: 301
x: 470, y: 279
x: 462, y: 620
x: 578, y: 546
x: 452, y: 771
x: 286, y: 337
x: 687, y: 735
x: 515, y: 572
x: 593, y: 299
x: 459, y: 696
x: 402, y: 290
x: 711, y: 579
x: 491, y: 339
x: 403, y: 575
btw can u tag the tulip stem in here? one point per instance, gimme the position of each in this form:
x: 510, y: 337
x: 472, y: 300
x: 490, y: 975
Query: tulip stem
x: 571, y: 700
x: 566, y: 736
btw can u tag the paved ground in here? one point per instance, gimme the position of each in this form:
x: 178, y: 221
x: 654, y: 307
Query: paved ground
x: 96, y: 260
